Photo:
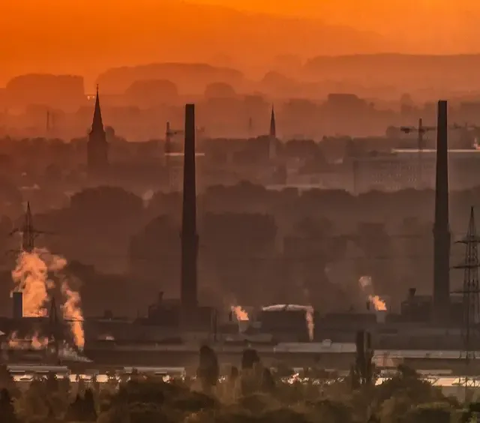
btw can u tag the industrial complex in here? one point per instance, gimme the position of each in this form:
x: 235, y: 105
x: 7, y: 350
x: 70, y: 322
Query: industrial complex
x: 434, y: 332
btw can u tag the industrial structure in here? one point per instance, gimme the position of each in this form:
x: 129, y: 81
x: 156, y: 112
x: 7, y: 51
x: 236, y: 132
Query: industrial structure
x: 189, y: 240
x: 470, y: 292
x: 421, y: 130
x: 173, y: 329
x: 441, y: 228
x: 28, y: 232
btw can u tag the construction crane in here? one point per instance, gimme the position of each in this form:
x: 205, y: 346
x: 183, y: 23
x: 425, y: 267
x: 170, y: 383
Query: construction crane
x: 421, y: 130
x: 169, y: 134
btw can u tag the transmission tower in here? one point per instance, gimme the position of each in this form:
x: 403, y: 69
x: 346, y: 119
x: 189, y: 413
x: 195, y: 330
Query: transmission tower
x: 470, y: 293
x: 28, y: 232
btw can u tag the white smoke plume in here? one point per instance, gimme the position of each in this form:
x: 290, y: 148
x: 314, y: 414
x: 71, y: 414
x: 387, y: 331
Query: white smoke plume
x: 240, y: 314
x: 72, y: 311
x: 14, y: 342
x: 66, y: 352
x: 31, y: 278
x: 39, y: 342
x: 35, y: 342
x: 367, y: 286
x: 310, y: 322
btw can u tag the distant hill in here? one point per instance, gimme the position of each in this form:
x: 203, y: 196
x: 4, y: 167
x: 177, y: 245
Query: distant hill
x: 459, y: 72
x: 189, y: 77
x: 93, y: 36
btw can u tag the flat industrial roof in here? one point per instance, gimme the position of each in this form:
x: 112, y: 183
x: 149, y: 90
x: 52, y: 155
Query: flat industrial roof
x: 430, y: 151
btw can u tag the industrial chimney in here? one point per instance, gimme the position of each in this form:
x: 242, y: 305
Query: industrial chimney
x: 441, y: 229
x: 17, y: 305
x: 189, y: 237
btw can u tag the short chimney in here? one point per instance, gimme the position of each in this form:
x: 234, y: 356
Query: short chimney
x: 17, y: 301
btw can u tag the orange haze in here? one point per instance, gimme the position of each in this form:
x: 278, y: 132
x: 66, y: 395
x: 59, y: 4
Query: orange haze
x: 88, y: 36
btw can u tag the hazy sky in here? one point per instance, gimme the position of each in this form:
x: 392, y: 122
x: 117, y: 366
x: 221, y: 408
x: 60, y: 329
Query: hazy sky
x: 89, y: 35
x: 372, y: 14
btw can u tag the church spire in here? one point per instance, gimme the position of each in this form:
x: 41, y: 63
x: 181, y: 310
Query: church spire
x: 273, y: 126
x: 97, y: 124
x: 97, y: 146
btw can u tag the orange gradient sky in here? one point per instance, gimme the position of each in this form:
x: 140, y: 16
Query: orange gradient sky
x: 86, y: 36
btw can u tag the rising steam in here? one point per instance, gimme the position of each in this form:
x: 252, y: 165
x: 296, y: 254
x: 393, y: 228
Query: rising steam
x: 240, y: 314
x: 310, y: 322
x: 31, y: 278
x: 72, y: 311
x: 367, y: 286
x: 36, y: 342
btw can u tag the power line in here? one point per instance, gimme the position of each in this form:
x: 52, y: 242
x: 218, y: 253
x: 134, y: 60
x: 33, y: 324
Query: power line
x: 470, y: 293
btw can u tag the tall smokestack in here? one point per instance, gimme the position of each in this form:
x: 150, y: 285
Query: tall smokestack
x: 17, y: 302
x: 189, y: 216
x: 441, y: 229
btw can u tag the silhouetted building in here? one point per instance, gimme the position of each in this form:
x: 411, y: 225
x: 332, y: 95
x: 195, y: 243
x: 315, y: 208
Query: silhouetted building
x: 97, y: 149
x: 441, y: 229
x: 189, y: 217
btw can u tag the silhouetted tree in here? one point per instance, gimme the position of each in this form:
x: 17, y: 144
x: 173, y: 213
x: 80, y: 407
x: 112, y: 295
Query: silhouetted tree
x: 208, y: 370
x: 7, y: 411
x: 88, y: 407
x: 249, y: 358
x: 268, y: 382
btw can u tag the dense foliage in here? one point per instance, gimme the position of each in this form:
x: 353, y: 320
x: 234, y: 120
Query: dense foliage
x: 252, y: 394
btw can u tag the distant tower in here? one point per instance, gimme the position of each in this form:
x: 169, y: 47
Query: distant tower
x: 97, y: 148
x: 272, y: 135
x: 441, y: 228
x: 470, y: 292
x: 166, y: 152
x: 189, y: 237
x: 250, y: 127
x: 28, y: 232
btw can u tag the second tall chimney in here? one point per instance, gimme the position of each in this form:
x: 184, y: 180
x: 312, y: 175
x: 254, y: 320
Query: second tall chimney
x: 441, y: 228
x: 189, y: 235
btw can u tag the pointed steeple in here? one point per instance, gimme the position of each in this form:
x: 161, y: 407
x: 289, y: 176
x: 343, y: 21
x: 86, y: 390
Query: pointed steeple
x: 97, y: 125
x: 273, y: 126
x: 97, y: 148
x: 28, y: 215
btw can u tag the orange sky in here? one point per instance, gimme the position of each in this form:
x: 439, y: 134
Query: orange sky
x: 370, y: 14
x: 89, y: 35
